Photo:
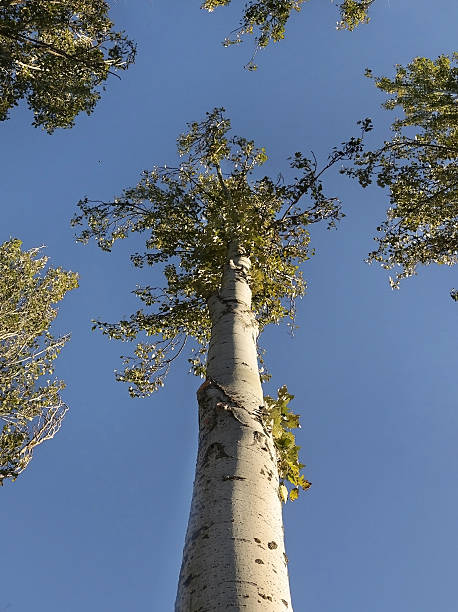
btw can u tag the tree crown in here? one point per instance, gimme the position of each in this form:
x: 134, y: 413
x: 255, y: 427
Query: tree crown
x: 56, y: 55
x: 191, y: 213
x: 30, y: 406
x: 418, y: 165
x: 268, y: 19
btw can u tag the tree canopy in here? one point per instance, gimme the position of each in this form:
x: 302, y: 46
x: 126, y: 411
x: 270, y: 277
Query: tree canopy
x: 31, y: 409
x: 419, y: 167
x: 191, y: 213
x: 268, y: 18
x: 56, y: 55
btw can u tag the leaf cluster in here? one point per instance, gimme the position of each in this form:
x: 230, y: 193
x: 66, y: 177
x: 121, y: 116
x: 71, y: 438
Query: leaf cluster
x: 353, y: 13
x: 281, y: 421
x: 31, y: 409
x: 189, y: 214
x: 56, y: 55
x: 268, y: 19
x: 418, y: 166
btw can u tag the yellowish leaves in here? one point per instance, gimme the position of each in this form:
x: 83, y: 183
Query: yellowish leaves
x: 30, y: 408
x: 353, y: 13
x: 281, y: 420
x: 283, y: 493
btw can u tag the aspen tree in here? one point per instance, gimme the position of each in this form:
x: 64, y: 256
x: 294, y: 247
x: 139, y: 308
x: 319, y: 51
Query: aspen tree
x: 231, y: 246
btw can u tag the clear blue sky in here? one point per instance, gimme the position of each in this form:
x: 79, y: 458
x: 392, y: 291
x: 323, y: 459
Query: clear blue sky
x: 97, y: 521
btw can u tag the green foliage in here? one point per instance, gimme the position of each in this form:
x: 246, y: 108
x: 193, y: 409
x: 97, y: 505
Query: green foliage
x: 31, y: 410
x: 268, y: 19
x: 190, y: 214
x: 279, y: 418
x: 56, y: 55
x: 418, y: 166
x: 353, y: 13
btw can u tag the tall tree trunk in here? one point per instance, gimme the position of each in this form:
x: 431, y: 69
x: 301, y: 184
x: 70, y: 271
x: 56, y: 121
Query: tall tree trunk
x: 234, y: 556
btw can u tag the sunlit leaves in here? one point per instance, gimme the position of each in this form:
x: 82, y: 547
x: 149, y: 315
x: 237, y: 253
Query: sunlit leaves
x: 189, y: 214
x: 283, y: 493
x: 418, y: 166
x: 56, y: 55
x: 31, y: 409
x: 267, y: 19
x: 353, y: 13
x: 279, y: 418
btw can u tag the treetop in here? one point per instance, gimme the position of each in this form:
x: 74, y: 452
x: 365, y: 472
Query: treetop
x: 190, y: 214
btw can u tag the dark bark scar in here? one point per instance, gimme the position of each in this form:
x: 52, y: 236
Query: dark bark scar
x: 189, y: 579
x: 215, y: 450
x: 232, y: 404
x: 264, y: 596
x: 231, y: 409
x: 199, y: 531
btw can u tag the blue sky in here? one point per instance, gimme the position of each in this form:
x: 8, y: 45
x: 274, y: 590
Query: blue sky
x: 97, y: 521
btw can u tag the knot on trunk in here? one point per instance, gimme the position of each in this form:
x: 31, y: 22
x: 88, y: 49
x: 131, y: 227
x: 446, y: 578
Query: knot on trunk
x: 240, y: 262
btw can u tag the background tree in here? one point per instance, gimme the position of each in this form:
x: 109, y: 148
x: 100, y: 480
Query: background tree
x: 31, y: 409
x: 268, y: 18
x: 230, y: 246
x: 56, y: 55
x: 419, y: 167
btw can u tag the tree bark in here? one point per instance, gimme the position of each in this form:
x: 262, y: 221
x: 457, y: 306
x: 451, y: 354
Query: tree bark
x: 234, y: 556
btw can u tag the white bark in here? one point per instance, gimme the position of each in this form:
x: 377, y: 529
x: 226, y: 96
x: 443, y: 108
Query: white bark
x: 234, y: 557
